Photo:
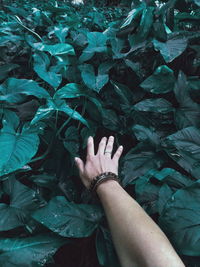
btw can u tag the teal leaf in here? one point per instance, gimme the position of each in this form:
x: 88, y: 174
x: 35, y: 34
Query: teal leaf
x: 45, y: 72
x: 147, y: 193
x: 71, y: 90
x: 154, y: 105
x: 160, y: 82
x: 105, y: 249
x: 6, y: 68
x: 96, y: 44
x: 68, y: 219
x: 58, y: 49
x: 17, y: 148
x: 180, y: 220
x: 145, y: 134
x: 138, y: 161
x: 92, y: 81
x: 165, y: 194
x: 188, y: 112
x: 110, y: 120
x: 12, y: 90
x: 184, y: 147
x: 71, y: 141
x: 44, y: 112
x: 29, y: 251
x: 197, y: 2
x: 145, y: 23
x: 133, y: 15
x: 23, y: 201
x: 171, y: 49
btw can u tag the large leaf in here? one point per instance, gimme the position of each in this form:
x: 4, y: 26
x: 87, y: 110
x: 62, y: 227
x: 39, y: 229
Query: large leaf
x: 6, y: 68
x: 180, y: 220
x: 138, y: 161
x: 44, y: 71
x: 133, y: 16
x: 12, y: 90
x: 188, y: 112
x: 31, y: 251
x: 71, y: 90
x: 58, y: 49
x: 22, y: 201
x: 171, y: 49
x: 69, y: 219
x: 105, y: 250
x: 184, y: 147
x: 55, y: 105
x: 17, y: 148
x: 146, y: 134
x: 92, y: 81
x: 154, y: 105
x: 160, y: 82
x: 96, y: 44
x: 71, y: 141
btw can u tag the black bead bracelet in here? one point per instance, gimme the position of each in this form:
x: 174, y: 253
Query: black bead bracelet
x: 101, y: 178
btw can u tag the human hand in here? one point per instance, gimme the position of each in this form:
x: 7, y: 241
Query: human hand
x: 99, y: 163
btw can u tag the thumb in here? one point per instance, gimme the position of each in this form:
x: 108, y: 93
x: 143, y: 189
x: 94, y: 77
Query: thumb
x: 79, y: 164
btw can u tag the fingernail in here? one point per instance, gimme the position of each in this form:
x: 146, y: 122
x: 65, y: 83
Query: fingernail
x: 121, y: 147
x: 75, y: 159
x: 111, y: 137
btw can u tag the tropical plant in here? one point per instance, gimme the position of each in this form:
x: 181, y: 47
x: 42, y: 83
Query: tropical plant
x: 70, y: 71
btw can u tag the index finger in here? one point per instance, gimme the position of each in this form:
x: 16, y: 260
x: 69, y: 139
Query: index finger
x: 90, y: 146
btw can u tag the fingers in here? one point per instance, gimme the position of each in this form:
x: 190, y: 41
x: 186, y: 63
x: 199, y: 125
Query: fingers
x: 118, y: 153
x: 90, y: 146
x: 109, y: 147
x: 102, y: 146
x: 80, y: 165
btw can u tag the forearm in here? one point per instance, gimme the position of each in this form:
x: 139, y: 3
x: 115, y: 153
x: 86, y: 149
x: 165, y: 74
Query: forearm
x: 137, y: 238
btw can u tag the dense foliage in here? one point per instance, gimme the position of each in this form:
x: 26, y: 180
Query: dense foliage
x: 68, y: 72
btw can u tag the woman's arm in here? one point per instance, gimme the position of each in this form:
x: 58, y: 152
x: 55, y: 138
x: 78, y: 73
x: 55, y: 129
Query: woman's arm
x: 139, y: 242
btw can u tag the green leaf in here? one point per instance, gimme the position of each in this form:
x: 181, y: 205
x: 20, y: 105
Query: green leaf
x: 188, y: 112
x: 165, y: 194
x: 105, y: 250
x: 12, y: 90
x: 17, y: 148
x: 92, y: 81
x: 147, y: 193
x: 160, y: 82
x: 138, y: 161
x: 44, y: 71
x: 184, y: 147
x: 57, y: 104
x: 58, y: 49
x: 180, y: 220
x: 171, y: 49
x: 146, y: 134
x: 154, y: 105
x: 6, y: 68
x: 71, y: 142
x: 197, y: 2
x: 71, y: 90
x: 110, y: 120
x: 69, y: 219
x: 145, y: 23
x: 96, y: 44
x: 133, y: 16
x: 29, y: 251
x: 23, y: 201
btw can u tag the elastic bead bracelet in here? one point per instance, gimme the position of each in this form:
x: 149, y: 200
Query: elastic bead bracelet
x: 101, y: 178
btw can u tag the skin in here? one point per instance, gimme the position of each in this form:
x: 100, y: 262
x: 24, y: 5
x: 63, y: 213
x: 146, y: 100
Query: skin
x: 138, y: 240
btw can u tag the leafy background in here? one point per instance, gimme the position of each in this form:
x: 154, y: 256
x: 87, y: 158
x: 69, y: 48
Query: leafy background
x: 67, y: 71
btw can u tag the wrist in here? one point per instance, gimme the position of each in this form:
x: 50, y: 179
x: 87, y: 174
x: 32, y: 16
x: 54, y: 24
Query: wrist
x: 107, y: 186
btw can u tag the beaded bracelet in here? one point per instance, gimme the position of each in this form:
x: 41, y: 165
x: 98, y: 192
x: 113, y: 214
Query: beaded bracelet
x: 101, y: 178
